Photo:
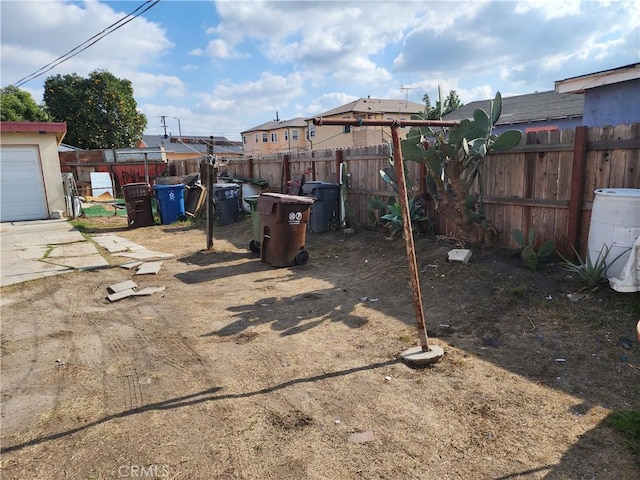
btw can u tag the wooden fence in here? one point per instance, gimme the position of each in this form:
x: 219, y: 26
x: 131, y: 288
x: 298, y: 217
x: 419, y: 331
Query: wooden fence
x: 547, y: 182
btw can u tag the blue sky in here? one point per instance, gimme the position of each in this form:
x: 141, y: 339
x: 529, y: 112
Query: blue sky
x: 222, y: 67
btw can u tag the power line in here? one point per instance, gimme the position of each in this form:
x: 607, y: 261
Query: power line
x: 87, y: 43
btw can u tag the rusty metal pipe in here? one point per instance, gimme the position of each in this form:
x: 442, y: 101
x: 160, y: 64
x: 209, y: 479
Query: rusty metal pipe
x: 398, y: 164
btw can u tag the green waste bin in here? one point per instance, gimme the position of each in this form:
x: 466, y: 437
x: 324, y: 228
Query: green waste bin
x: 283, y: 220
x: 254, y: 245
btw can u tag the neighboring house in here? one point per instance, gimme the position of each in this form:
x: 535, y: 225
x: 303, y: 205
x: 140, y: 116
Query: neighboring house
x: 277, y: 136
x: 332, y: 136
x: 192, y: 147
x: 611, y: 97
x: 31, y: 181
x: 531, y: 112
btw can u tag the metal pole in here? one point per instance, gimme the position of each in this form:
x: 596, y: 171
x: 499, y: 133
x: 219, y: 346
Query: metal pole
x: 398, y: 164
x: 404, y: 203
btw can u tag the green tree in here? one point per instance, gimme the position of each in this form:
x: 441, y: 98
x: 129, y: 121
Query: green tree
x: 100, y: 110
x: 19, y: 106
x: 443, y: 106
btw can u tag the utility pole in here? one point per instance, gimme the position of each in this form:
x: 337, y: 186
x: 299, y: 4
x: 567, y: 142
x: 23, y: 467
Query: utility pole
x: 179, y: 127
x: 164, y: 124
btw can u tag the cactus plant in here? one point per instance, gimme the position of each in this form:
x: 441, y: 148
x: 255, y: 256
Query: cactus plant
x: 454, y: 162
x: 528, y: 253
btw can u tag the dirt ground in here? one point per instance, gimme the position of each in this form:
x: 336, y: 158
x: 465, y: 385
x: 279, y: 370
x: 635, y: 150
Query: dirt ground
x: 242, y: 370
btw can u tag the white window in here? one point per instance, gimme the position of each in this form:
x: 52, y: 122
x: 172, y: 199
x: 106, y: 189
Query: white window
x: 257, y: 138
x: 311, y: 133
x: 265, y: 137
x: 274, y: 137
x: 294, y: 135
x: 286, y: 134
x: 346, y: 128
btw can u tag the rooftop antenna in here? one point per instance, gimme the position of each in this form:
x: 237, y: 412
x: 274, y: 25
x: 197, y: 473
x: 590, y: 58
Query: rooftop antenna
x: 277, y: 119
x: 406, y: 90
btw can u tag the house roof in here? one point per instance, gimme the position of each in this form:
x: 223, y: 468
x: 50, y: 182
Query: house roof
x: 184, y: 144
x: 598, y: 79
x: 63, y: 147
x: 58, y: 128
x: 374, y: 105
x: 539, y: 106
x: 298, y: 122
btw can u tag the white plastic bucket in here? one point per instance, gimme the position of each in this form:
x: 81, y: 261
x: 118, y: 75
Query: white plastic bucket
x: 615, y: 224
x: 248, y: 190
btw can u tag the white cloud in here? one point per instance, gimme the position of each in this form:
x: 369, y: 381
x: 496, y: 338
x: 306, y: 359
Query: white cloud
x: 219, y: 48
x: 63, y: 26
x: 146, y: 85
x: 257, y: 98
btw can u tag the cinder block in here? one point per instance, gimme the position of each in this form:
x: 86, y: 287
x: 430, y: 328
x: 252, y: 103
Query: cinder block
x: 460, y: 255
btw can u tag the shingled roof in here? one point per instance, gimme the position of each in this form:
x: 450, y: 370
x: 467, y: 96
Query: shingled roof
x: 375, y: 105
x: 298, y: 122
x: 532, y: 107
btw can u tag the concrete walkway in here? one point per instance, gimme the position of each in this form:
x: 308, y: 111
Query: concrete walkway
x: 42, y: 248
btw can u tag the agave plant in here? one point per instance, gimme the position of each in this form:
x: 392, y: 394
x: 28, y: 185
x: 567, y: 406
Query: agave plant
x: 389, y: 214
x: 591, y: 274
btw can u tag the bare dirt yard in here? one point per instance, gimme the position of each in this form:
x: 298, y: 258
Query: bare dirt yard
x: 242, y: 370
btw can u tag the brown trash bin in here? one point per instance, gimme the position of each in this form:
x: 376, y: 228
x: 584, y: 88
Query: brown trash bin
x: 137, y: 198
x: 283, y: 220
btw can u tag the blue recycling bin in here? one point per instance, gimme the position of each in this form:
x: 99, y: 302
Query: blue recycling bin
x: 170, y: 202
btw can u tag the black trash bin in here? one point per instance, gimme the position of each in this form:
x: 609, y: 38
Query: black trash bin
x: 325, y: 212
x: 137, y: 198
x: 226, y: 198
x: 283, y: 220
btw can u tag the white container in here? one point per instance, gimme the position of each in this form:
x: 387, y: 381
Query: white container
x: 615, y: 223
x: 249, y: 190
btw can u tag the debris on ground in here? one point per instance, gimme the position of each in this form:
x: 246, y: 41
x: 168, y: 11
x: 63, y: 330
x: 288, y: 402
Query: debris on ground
x: 128, y: 288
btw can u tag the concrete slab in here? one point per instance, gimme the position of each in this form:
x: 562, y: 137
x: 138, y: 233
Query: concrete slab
x: 118, y: 287
x: 42, y: 248
x: 87, y: 262
x: 150, y: 290
x: 459, y: 255
x: 416, y: 357
x: 73, y: 250
x: 114, y: 297
x: 149, y: 268
x: 130, y: 265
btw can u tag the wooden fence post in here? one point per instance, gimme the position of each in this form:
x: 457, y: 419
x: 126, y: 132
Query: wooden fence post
x: 577, y: 189
x: 286, y: 173
x: 339, y: 157
x: 251, y: 167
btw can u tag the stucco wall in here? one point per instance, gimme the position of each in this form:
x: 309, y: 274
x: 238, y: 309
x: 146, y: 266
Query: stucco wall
x: 615, y: 104
x: 48, y: 150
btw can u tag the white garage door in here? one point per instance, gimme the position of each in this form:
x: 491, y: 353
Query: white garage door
x: 22, y: 195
